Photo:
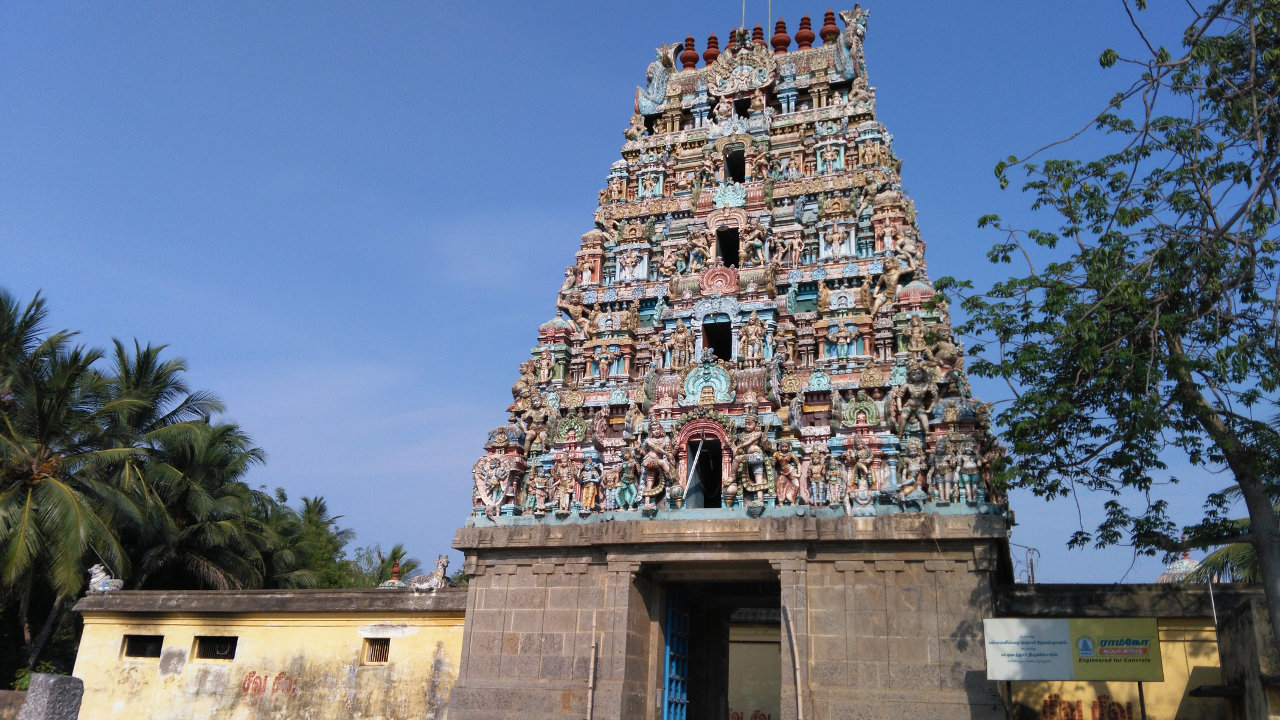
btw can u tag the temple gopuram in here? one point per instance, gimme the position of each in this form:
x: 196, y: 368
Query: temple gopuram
x: 749, y: 411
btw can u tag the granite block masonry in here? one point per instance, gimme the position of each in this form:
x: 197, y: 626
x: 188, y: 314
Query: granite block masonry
x: 52, y: 697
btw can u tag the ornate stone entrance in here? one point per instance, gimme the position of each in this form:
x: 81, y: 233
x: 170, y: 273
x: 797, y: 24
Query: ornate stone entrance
x: 877, y: 616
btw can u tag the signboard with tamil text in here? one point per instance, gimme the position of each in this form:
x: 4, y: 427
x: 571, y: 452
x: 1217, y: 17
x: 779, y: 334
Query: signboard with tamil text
x: 1116, y: 649
x: 1075, y: 649
x: 1020, y: 649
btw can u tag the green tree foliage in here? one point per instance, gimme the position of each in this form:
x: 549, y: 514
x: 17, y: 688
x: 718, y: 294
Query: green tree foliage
x: 1237, y: 561
x: 370, y: 566
x: 323, y: 542
x: 128, y: 467
x: 1146, y: 321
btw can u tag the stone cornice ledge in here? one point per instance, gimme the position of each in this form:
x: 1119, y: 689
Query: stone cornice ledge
x: 446, y: 600
x: 882, y: 528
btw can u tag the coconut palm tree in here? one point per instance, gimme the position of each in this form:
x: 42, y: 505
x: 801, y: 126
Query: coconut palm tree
x: 127, y: 468
x: 54, y: 500
x: 324, y: 550
x: 21, y: 329
x: 158, y: 412
x: 284, y: 544
x: 207, y: 535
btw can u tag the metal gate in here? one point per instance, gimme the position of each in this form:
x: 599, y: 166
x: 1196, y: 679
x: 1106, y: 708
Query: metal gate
x: 675, y: 694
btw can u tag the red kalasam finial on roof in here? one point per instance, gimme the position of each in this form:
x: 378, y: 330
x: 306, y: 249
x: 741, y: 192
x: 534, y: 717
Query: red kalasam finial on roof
x: 713, y: 50
x: 780, y: 40
x: 757, y: 36
x: 395, y: 571
x: 829, y: 30
x: 689, y: 58
x: 805, y: 36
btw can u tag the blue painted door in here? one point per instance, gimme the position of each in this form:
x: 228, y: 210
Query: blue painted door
x: 675, y: 700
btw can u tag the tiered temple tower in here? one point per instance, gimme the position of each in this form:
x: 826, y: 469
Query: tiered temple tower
x: 748, y: 404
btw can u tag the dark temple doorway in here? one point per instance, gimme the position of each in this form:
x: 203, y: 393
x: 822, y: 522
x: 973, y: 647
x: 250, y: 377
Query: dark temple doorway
x: 727, y: 246
x: 705, y: 466
x: 736, y: 166
x: 722, y: 647
x: 718, y: 338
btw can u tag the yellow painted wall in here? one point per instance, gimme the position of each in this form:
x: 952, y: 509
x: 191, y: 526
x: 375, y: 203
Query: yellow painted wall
x: 286, y: 665
x: 1189, y: 650
x: 755, y: 679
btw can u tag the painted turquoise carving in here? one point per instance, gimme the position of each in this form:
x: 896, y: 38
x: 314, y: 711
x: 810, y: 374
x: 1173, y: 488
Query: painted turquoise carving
x: 730, y: 195
x: 707, y: 375
x: 818, y: 380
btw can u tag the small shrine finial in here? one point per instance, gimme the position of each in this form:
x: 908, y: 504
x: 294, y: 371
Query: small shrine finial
x: 395, y: 583
x: 713, y: 49
x: 780, y: 40
x: 689, y: 58
x: 757, y: 36
x: 830, y: 31
x: 805, y: 36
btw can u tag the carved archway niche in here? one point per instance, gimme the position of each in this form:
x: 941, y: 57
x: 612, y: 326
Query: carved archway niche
x: 727, y: 218
x: 702, y: 428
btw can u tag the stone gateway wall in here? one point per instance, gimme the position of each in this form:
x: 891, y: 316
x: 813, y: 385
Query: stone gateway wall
x: 881, y: 615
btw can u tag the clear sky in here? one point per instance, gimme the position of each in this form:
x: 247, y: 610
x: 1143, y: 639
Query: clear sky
x: 350, y: 218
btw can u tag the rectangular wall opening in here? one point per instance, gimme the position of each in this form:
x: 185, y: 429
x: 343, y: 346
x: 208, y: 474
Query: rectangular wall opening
x: 727, y: 246
x: 216, y: 647
x: 718, y: 338
x: 742, y: 108
x: 143, y: 646
x: 723, y: 652
x: 377, y: 651
x: 735, y: 166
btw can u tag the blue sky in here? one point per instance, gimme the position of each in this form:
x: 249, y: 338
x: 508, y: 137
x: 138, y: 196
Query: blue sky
x: 350, y: 218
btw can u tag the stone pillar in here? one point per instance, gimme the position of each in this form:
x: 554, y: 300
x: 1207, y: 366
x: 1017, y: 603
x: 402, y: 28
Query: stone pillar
x: 52, y: 697
x: 624, y: 651
x: 792, y: 574
x: 1249, y: 661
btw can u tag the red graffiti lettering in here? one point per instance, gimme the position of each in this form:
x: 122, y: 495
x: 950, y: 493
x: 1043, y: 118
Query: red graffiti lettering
x: 284, y: 685
x: 1055, y: 707
x: 256, y: 684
